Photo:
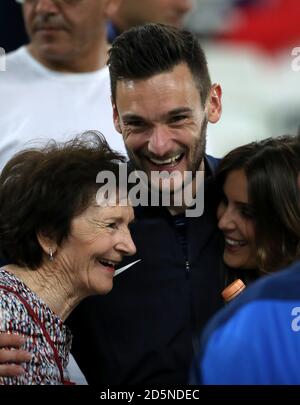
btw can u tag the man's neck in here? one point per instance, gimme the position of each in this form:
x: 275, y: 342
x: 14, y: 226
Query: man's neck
x: 90, y: 62
x: 195, y: 187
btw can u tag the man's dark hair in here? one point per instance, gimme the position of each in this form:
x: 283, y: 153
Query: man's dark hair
x: 42, y: 190
x: 147, y: 50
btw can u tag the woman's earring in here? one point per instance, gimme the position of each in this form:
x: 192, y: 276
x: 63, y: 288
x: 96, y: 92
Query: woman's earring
x: 51, y: 258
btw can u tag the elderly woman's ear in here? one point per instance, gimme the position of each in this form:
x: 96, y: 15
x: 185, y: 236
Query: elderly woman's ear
x: 48, y: 245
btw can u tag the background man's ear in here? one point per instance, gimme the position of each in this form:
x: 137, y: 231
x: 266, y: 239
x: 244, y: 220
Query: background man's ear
x: 214, y: 103
x: 46, y: 243
x: 116, y: 118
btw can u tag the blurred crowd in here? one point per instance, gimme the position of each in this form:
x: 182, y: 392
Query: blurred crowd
x: 249, y: 45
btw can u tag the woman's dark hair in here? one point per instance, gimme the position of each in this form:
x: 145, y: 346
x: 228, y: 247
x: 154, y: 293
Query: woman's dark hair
x: 272, y: 167
x: 151, y: 49
x: 42, y: 190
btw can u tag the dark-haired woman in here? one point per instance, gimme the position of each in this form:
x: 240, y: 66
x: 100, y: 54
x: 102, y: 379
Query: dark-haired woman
x: 254, y: 340
x: 259, y: 213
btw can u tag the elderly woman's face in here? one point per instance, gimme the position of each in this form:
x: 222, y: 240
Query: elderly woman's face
x: 98, y: 240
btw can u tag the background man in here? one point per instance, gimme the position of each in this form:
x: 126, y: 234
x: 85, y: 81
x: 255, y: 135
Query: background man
x: 123, y: 14
x: 58, y: 85
x: 130, y: 13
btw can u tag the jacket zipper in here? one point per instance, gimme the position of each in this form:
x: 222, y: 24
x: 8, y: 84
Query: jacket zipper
x: 187, y: 268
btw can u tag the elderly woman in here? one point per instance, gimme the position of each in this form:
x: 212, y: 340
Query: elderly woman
x: 61, y: 246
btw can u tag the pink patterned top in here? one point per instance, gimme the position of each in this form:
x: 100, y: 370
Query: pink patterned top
x: 14, y: 318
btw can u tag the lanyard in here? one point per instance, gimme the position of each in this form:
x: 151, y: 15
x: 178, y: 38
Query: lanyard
x: 46, y: 334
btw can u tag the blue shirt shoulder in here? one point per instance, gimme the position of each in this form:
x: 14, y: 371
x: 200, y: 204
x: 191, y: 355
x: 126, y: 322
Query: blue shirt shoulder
x: 255, y: 339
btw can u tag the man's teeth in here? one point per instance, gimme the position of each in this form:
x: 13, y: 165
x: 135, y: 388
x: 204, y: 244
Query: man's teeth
x: 169, y: 161
x: 233, y: 242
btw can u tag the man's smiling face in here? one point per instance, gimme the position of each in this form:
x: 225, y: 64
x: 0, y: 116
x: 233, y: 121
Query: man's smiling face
x: 163, y: 121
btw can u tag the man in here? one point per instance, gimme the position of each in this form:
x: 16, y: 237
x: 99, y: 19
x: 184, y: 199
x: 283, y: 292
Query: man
x: 143, y: 331
x: 256, y: 340
x: 58, y: 85
x: 130, y: 13
x: 146, y: 330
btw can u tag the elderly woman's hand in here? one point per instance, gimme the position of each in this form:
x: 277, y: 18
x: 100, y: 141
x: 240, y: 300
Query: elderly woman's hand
x: 9, y: 356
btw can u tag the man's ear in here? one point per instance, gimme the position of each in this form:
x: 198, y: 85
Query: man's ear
x: 46, y: 243
x: 214, y: 106
x: 116, y: 118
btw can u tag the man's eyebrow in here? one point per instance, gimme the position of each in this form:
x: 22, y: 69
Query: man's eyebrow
x: 131, y: 117
x: 180, y: 110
